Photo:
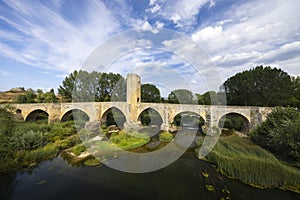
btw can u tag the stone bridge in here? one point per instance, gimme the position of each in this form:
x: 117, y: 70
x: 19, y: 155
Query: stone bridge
x: 132, y: 108
x: 96, y: 111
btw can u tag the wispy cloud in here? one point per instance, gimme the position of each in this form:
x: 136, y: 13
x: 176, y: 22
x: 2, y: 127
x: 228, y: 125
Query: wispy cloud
x: 237, y: 35
x: 4, y: 73
x: 42, y: 36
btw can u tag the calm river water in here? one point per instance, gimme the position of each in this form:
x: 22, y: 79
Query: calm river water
x: 56, y: 179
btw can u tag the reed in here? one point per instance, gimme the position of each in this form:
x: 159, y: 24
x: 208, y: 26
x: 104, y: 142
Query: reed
x: 240, y: 158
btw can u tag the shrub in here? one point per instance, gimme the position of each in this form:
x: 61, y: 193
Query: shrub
x: 280, y: 134
x: 240, y: 158
x: 129, y: 140
x: 165, y: 136
x: 78, y: 149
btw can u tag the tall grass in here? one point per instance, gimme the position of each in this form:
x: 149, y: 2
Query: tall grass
x: 165, y: 136
x: 129, y: 141
x: 30, y: 142
x: 240, y: 158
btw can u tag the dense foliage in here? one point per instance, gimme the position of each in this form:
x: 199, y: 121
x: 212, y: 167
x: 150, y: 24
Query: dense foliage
x: 182, y: 96
x: 211, y: 98
x: 150, y: 93
x: 23, y: 144
x: 47, y: 97
x: 280, y: 134
x: 82, y: 86
x: 28, y: 97
x: 7, y: 120
x: 37, y: 96
x: 261, y: 86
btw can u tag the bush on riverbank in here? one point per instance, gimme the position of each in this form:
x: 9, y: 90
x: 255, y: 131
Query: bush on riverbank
x: 165, y: 136
x: 280, y: 134
x: 78, y: 149
x: 240, y: 158
x: 130, y: 140
x: 29, y: 143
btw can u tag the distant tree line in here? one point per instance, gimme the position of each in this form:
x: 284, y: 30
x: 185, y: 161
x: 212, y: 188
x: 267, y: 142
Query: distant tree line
x: 260, y: 86
x: 38, y: 96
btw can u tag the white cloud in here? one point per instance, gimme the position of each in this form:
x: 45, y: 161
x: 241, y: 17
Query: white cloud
x: 153, y: 9
x: 154, y: 29
x: 181, y: 12
x: 207, y: 33
x: 255, y: 32
x: 166, y: 70
x: 51, y: 40
x: 152, y: 2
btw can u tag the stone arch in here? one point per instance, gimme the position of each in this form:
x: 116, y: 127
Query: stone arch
x: 150, y: 117
x: 234, y: 120
x: 19, y: 114
x: 189, y: 120
x: 75, y: 114
x: 113, y: 116
x: 183, y: 110
x: 37, y: 115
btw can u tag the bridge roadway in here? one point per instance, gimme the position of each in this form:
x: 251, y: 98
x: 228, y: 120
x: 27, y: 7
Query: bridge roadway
x: 97, y: 111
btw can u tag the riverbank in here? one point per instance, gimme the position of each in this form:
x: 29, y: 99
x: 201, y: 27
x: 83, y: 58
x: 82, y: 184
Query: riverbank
x: 30, y: 143
x: 236, y: 157
x: 240, y: 159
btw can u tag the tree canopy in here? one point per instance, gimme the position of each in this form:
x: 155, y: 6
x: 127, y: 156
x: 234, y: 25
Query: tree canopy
x: 47, y: 97
x: 260, y: 86
x: 150, y: 93
x: 7, y: 120
x: 82, y: 86
x: 182, y: 96
x: 280, y: 133
x: 28, y: 97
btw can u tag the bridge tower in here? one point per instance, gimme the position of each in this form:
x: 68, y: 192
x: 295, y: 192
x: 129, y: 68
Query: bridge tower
x: 133, y: 97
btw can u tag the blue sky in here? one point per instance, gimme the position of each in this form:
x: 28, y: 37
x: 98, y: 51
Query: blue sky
x: 43, y: 41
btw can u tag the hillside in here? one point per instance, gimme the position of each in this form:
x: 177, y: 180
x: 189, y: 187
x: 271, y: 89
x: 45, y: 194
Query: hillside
x: 11, y: 95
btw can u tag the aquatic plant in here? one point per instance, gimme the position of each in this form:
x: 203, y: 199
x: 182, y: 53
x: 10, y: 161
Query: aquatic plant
x: 241, y: 159
x: 165, y: 136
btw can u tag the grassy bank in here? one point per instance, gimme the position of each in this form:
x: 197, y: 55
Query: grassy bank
x: 240, y: 158
x: 30, y: 143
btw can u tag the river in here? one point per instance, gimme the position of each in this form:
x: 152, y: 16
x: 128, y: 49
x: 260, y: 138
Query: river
x: 183, y: 179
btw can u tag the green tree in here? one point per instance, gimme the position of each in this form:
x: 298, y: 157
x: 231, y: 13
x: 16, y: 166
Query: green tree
x: 261, y: 86
x: 295, y: 100
x: 50, y: 97
x: 47, y: 97
x: 112, y: 87
x: 280, y: 134
x: 182, y: 96
x: 82, y: 86
x: 211, y: 98
x: 66, y: 89
x: 150, y: 93
x: 28, y: 97
x: 7, y: 120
